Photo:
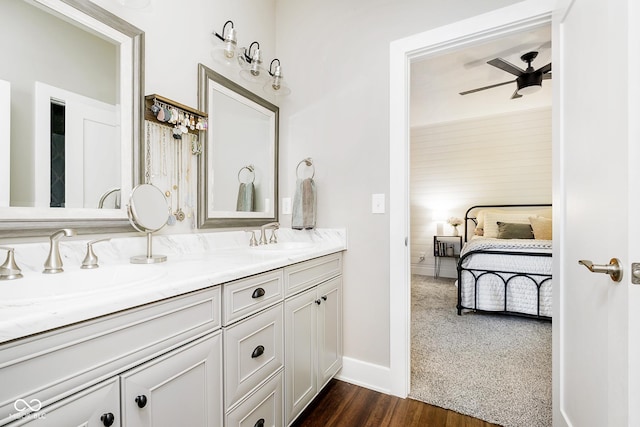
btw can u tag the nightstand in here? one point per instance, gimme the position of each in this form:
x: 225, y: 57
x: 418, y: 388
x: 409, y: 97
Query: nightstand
x: 445, y: 247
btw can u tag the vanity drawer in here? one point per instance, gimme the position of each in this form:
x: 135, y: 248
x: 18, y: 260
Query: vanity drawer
x: 56, y: 364
x: 85, y: 408
x: 247, y: 296
x: 304, y: 275
x: 264, y: 404
x: 253, y: 350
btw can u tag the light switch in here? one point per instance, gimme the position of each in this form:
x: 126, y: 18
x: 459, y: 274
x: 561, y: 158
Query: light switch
x: 377, y: 203
x: 286, y: 205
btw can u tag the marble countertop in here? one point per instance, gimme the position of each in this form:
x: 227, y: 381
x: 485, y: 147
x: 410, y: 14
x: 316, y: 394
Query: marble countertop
x: 39, y: 302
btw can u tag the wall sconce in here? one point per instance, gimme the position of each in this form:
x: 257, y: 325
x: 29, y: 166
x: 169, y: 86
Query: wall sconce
x: 251, y: 64
x: 276, y: 85
x: 226, y: 50
x: 249, y: 59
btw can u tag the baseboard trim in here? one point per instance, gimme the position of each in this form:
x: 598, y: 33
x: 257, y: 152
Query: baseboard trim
x: 445, y: 271
x: 364, y: 374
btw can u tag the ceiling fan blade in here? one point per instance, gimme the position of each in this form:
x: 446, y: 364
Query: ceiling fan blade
x: 545, y: 69
x: 516, y: 95
x: 506, y: 66
x: 546, y: 76
x: 486, y: 87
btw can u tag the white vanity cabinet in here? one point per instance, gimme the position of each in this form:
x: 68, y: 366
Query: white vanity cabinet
x: 313, y: 330
x: 91, y: 373
x: 252, y: 352
x: 282, y: 340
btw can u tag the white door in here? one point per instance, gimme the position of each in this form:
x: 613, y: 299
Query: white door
x: 596, y: 183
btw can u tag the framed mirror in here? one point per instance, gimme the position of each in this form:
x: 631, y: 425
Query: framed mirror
x: 238, y: 170
x: 71, y: 99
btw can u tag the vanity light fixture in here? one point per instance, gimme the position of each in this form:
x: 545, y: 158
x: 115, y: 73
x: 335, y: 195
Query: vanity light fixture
x: 226, y: 50
x: 251, y: 64
x: 276, y: 84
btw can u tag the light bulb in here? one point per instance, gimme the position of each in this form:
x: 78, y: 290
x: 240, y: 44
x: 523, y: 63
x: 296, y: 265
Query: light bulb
x: 229, y: 50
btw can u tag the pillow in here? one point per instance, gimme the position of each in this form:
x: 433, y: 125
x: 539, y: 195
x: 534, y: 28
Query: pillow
x: 542, y: 227
x: 481, y: 215
x: 491, y: 221
x: 509, y: 230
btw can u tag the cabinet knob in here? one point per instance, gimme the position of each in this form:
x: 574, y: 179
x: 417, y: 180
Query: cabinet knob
x: 318, y: 301
x: 324, y: 297
x: 141, y: 401
x: 259, y: 423
x: 107, y: 419
x: 259, y: 292
x: 257, y: 352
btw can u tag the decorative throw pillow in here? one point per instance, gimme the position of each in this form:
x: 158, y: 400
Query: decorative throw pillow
x: 542, y: 227
x: 508, y: 230
x: 491, y: 221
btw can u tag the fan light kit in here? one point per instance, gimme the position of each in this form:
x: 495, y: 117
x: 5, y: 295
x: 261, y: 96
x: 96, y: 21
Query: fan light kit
x: 527, y: 81
x: 249, y: 60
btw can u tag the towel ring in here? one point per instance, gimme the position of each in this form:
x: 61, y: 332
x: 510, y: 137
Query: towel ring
x: 251, y: 169
x: 307, y: 162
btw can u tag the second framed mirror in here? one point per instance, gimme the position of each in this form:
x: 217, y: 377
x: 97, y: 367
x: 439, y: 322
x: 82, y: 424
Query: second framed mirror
x: 238, y: 170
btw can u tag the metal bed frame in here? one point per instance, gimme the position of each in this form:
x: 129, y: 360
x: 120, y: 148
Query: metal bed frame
x: 506, y: 276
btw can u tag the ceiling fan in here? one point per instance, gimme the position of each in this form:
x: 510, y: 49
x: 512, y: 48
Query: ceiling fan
x: 528, y: 81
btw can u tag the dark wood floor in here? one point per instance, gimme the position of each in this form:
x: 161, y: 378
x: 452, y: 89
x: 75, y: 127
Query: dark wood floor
x: 344, y: 404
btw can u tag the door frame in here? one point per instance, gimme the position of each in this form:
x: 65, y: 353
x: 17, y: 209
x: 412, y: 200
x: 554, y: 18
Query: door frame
x: 485, y: 27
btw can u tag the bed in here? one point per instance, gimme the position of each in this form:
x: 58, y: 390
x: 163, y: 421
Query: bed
x: 505, y: 263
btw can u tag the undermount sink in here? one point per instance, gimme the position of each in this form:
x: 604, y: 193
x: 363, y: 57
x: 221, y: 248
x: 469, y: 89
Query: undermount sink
x: 285, y: 246
x: 74, y: 283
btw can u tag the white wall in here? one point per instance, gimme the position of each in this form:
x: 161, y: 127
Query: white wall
x: 498, y: 159
x: 336, y: 57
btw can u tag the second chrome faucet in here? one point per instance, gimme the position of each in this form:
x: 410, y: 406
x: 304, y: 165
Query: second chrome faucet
x: 53, y: 264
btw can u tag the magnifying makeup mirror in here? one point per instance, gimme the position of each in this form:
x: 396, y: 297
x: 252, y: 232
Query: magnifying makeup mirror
x: 147, y: 211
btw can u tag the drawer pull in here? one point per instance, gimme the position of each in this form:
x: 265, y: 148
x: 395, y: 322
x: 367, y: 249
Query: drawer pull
x: 257, y: 352
x: 259, y: 292
x: 107, y: 419
x: 260, y: 423
x: 141, y: 401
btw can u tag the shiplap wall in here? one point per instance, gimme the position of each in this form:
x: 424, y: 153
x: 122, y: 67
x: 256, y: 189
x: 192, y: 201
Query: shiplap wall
x: 502, y: 159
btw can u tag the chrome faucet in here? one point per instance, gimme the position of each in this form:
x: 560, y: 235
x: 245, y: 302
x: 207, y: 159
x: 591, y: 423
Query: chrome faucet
x: 53, y: 264
x: 263, y: 236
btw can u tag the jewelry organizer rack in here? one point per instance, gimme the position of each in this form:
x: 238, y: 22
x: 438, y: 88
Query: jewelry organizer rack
x: 172, y: 145
x: 167, y: 112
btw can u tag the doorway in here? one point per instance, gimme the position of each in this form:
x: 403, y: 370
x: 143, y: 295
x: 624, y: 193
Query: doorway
x: 516, y: 18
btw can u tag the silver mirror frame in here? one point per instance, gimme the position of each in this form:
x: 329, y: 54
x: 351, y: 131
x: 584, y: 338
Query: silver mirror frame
x: 37, y: 226
x: 204, y: 220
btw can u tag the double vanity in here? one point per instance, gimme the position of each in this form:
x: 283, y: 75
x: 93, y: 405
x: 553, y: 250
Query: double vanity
x: 221, y: 334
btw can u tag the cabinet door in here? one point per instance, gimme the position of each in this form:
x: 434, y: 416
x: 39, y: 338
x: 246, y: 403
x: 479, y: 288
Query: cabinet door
x: 96, y: 406
x: 301, y: 314
x: 329, y: 330
x: 180, y: 388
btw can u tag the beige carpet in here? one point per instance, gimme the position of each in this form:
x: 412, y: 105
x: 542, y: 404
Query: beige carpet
x: 492, y: 367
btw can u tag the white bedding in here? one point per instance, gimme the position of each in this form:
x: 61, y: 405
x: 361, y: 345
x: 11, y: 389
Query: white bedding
x: 522, y: 292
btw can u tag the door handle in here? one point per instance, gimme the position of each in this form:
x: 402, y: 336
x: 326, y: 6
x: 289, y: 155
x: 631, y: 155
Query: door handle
x: 613, y: 269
